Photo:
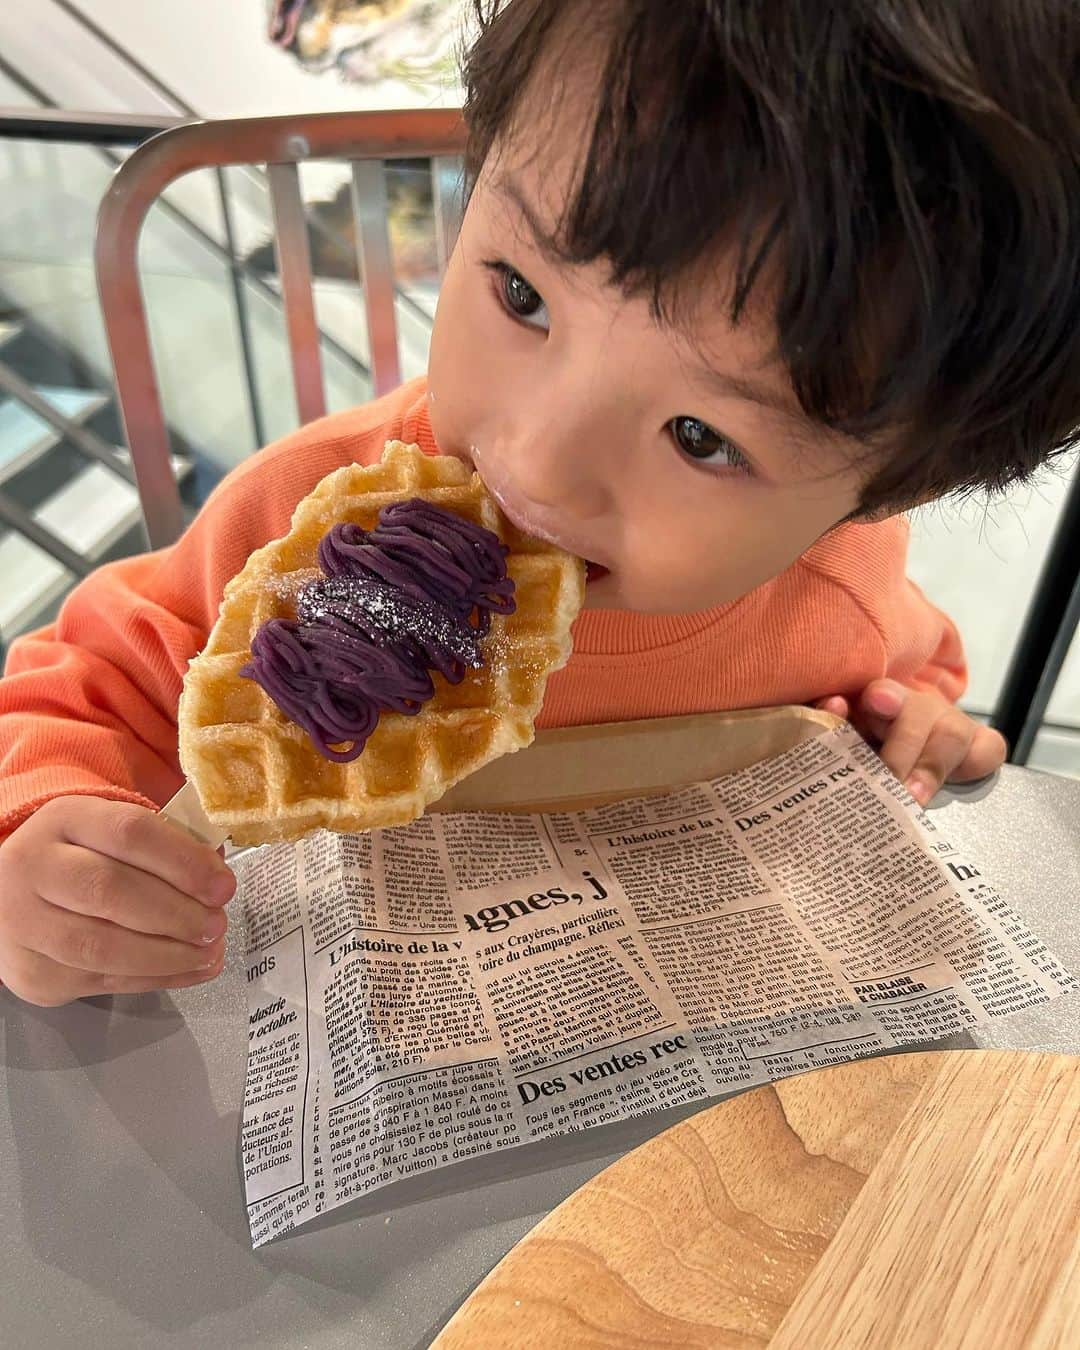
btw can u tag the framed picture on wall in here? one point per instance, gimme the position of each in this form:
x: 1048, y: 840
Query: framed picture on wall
x: 370, y: 41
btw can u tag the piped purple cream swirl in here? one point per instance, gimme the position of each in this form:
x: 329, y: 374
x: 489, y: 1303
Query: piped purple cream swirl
x: 413, y: 595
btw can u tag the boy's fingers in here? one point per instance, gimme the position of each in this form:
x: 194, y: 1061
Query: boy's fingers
x: 987, y: 753
x: 90, y: 944
x: 837, y: 705
x: 121, y: 985
x: 144, y: 840
x: 878, y: 707
x: 884, y: 699
x: 48, y: 984
x: 947, y: 745
x: 88, y: 883
x: 904, y: 739
x: 131, y: 984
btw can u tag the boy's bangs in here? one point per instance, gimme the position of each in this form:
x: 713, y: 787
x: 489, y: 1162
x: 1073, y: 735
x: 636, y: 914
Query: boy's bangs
x: 912, y: 238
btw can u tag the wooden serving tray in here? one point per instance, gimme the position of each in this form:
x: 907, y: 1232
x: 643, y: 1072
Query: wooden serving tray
x: 911, y: 1202
x: 570, y: 768
x: 575, y: 767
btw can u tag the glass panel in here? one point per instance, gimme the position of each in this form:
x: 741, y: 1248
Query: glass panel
x: 51, y: 340
x: 34, y: 585
x: 980, y: 562
x: 190, y: 299
x: 339, y: 297
x: 223, y: 367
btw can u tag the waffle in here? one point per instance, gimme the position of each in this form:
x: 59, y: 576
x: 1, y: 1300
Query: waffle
x: 260, y: 777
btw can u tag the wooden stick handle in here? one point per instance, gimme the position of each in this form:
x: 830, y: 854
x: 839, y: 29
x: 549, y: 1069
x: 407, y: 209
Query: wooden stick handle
x: 185, y: 810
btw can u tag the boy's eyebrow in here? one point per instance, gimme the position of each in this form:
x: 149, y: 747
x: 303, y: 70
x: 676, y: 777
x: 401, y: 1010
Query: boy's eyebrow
x: 803, y: 433
x: 734, y: 385
x: 507, y: 186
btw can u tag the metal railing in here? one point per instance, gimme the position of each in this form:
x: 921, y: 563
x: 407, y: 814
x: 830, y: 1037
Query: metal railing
x: 364, y: 139
x: 56, y: 124
x: 106, y: 133
x: 1050, y: 627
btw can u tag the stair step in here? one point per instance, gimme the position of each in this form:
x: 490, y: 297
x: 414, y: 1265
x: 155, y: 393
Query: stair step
x: 107, y: 423
x: 45, y: 475
x: 10, y: 329
x: 77, y: 404
x: 97, y: 514
x: 32, y: 583
x: 88, y: 513
x: 52, y: 473
x: 24, y: 436
x: 38, y: 359
x: 79, y: 500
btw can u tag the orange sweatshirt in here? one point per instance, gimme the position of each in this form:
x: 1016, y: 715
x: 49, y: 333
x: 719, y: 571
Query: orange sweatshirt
x: 88, y: 705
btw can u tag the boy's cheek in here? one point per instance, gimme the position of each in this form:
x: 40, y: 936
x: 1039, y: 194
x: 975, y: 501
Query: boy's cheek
x: 460, y: 381
x: 681, y: 557
x: 656, y: 580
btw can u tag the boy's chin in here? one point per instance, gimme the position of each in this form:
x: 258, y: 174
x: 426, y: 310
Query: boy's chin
x: 604, y: 592
x: 595, y: 600
x: 601, y: 590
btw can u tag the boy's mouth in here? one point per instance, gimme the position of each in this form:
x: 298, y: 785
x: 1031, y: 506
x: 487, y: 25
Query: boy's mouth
x: 518, y: 514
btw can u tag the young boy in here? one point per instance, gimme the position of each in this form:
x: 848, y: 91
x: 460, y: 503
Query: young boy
x: 736, y: 285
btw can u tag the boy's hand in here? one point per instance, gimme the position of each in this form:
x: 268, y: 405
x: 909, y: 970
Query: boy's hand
x: 101, y: 897
x: 922, y: 737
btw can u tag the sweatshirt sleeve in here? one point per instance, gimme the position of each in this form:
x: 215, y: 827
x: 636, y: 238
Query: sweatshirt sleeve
x: 918, y: 644
x: 88, y: 704
x: 923, y: 646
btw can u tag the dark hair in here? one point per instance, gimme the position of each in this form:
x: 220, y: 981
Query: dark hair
x: 905, y: 172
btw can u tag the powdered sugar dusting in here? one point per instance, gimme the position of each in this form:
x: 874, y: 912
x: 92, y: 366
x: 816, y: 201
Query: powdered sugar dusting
x: 412, y: 596
x: 387, y: 614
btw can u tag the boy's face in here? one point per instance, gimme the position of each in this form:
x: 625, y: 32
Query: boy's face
x: 678, y: 460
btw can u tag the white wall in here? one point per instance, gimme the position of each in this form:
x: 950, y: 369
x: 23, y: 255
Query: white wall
x: 980, y: 561
x: 214, y: 53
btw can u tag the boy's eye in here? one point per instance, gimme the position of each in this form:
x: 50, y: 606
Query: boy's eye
x: 521, y: 299
x: 520, y: 296
x: 698, y: 440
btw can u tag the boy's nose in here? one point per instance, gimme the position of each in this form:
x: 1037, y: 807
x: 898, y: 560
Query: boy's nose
x: 558, y: 457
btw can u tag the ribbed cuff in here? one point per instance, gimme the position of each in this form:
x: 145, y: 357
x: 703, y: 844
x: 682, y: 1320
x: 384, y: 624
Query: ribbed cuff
x: 11, y: 819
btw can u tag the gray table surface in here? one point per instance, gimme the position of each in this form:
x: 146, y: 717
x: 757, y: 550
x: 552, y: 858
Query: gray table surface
x: 120, y: 1185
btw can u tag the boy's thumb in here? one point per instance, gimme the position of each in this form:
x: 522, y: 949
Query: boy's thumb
x: 879, y: 707
x: 883, y: 698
